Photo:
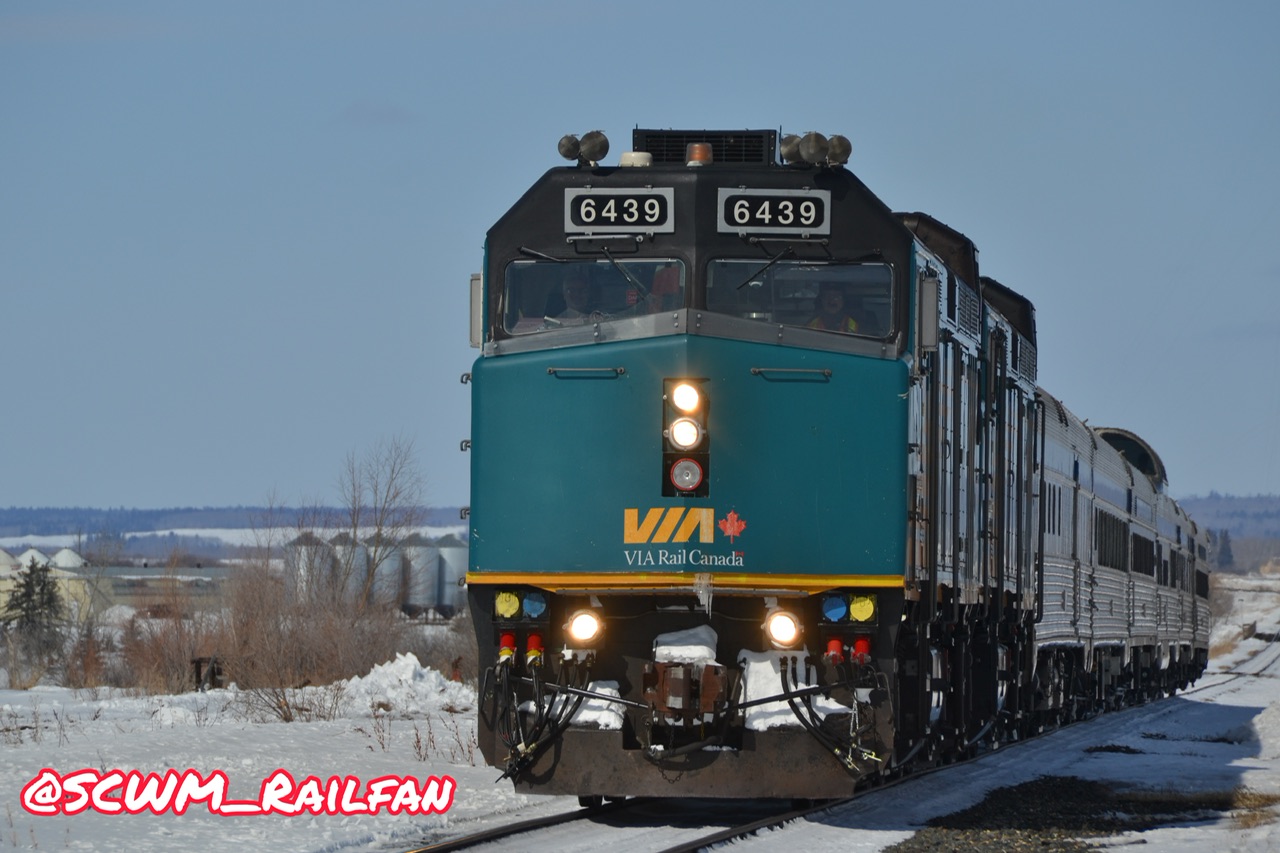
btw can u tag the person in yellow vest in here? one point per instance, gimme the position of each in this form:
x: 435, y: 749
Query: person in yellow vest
x: 832, y: 315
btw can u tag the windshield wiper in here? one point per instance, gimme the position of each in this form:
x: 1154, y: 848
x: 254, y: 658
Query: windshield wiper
x: 631, y: 279
x: 772, y: 261
x: 525, y: 250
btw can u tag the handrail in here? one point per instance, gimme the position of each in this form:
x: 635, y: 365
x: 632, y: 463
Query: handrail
x: 825, y: 371
x: 556, y: 371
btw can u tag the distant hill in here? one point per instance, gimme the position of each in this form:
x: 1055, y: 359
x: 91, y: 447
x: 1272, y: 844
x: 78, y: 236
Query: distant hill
x: 1244, y: 532
x: 1255, y: 517
x: 62, y: 521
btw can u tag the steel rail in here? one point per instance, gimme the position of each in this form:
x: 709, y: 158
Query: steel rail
x: 530, y: 825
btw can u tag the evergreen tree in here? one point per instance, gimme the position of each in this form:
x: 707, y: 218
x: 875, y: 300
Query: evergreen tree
x: 34, y: 608
x: 1225, y: 558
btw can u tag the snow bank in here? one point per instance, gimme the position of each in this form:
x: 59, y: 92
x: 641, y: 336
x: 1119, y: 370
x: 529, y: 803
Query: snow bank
x: 404, y: 688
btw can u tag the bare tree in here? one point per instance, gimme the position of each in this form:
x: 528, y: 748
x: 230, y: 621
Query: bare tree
x: 382, y: 496
x: 331, y: 613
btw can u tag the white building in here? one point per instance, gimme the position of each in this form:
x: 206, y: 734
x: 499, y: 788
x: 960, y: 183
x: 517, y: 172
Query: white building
x: 68, y: 559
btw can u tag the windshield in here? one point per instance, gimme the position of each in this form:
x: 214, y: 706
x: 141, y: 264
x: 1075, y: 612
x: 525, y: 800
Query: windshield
x: 850, y: 299
x: 540, y: 295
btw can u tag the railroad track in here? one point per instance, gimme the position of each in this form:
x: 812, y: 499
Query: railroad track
x: 685, y: 826
x: 1262, y: 662
x: 667, y: 825
x: 519, y: 828
x: 633, y: 824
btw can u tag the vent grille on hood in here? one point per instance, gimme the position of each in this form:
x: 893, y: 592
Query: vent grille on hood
x: 727, y: 146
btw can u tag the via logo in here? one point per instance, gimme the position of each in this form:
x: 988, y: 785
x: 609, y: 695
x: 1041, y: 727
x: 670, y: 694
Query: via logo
x: 677, y: 524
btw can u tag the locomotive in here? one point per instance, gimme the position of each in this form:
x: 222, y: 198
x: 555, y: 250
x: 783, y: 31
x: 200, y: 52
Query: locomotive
x: 766, y: 499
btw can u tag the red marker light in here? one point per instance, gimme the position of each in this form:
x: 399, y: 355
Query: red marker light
x: 862, y: 649
x: 533, y: 650
x: 835, y: 650
x: 506, y: 648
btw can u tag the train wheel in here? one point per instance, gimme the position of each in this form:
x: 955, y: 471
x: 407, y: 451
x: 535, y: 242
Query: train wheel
x: 593, y: 802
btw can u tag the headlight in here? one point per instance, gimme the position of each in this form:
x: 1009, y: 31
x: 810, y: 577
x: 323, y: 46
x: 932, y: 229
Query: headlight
x: 783, y: 628
x: 686, y: 438
x: 685, y: 433
x: 685, y: 398
x: 584, y: 626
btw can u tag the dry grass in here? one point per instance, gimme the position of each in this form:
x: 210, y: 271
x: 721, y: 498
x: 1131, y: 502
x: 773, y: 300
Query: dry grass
x: 159, y: 647
x: 280, y: 649
x: 1218, y: 650
x: 1247, y: 808
x: 1252, y: 809
x: 275, y: 643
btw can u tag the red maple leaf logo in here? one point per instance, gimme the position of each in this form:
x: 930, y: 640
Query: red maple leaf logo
x: 732, y: 525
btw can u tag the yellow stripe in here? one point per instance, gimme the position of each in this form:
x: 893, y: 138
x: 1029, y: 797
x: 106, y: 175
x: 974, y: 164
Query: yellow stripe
x: 558, y: 581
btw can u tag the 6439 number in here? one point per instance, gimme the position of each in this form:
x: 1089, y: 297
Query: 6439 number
x: 774, y: 211
x: 607, y: 210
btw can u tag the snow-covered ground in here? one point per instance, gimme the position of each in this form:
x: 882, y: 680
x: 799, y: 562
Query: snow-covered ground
x: 401, y: 721
x: 405, y: 734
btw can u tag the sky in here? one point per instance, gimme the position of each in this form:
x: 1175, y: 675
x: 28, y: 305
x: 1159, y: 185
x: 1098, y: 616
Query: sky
x: 235, y: 238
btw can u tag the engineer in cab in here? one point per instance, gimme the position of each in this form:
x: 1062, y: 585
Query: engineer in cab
x: 832, y: 315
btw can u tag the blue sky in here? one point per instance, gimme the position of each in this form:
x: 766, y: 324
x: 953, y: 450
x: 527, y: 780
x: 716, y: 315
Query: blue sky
x: 235, y: 237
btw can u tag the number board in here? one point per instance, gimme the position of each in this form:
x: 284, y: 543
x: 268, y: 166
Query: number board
x: 750, y: 211
x: 619, y: 211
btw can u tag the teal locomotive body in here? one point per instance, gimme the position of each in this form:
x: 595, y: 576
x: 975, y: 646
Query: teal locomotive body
x: 757, y: 467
